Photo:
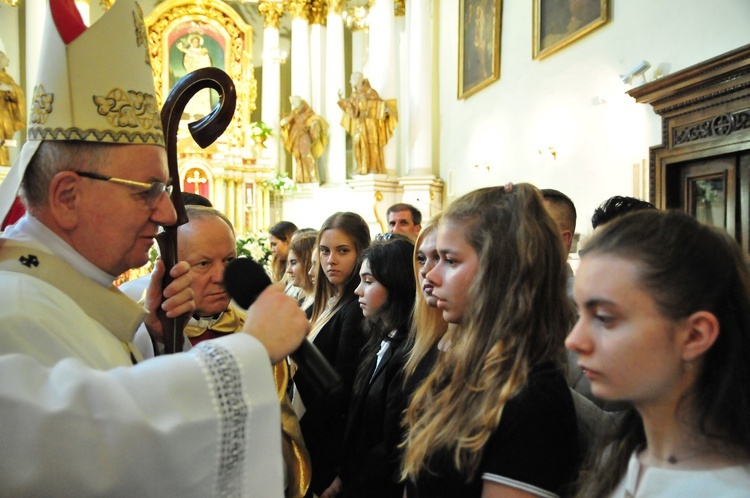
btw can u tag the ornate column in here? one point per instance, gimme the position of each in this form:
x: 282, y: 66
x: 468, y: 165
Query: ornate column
x: 318, y: 13
x: 383, y: 66
x: 357, y: 20
x: 419, y: 185
x: 420, y: 88
x: 231, y: 201
x: 300, y: 10
x: 271, y: 99
x: 334, y: 161
x: 402, y: 49
x: 219, y: 198
x: 35, y: 11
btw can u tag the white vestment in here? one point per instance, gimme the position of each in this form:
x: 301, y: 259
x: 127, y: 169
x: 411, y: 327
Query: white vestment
x: 78, y: 419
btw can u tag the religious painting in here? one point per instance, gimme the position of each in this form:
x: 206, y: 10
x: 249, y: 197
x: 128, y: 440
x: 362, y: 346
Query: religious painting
x: 560, y: 22
x: 478, y: 45
x: 184, y: 35
x: 707, y: 192
x: 193, y: 45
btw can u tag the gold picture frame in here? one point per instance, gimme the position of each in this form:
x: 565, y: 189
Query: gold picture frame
x: 479, y: 24
x: 558, y: 23
x: 222, y: 32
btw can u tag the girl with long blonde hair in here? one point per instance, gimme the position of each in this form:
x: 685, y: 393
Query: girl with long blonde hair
x: 495, y: 416
x: 428, y: 326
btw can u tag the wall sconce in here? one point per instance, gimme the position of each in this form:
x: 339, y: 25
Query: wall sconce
x: 551, y: 150
x: 275, y: 55
x: 638, y: 70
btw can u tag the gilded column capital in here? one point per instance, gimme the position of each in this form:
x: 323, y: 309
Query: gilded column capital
x: 271, y: 12
x: 336, y: 6
x: 399, y: 7
x: 318, y: 12
x: 300, y: 9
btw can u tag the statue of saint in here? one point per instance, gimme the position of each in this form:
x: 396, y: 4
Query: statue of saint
x: 12, y: 109
x: 195, y: 57
x: 305, y: 137
x: 370, y: 121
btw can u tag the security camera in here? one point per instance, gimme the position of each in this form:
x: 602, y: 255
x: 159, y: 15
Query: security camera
x: 638, y: 70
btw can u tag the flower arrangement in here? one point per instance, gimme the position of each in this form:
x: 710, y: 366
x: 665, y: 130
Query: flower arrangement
x: 280, y: 183
x: 260, y: 130
x: 255, y: 245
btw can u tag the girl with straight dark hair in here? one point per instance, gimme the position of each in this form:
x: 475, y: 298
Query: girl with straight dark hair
x: 370, y: 462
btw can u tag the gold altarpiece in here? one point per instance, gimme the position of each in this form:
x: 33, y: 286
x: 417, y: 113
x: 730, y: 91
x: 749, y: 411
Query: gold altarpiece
x: 184, y: 35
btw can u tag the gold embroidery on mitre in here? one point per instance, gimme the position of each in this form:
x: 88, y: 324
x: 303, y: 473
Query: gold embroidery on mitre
x: 109, y: 136
x: 41, y: 105
x: 129, y: 109
x: 141, y: 38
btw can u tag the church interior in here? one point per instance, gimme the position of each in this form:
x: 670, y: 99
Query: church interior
x: 639, y: 98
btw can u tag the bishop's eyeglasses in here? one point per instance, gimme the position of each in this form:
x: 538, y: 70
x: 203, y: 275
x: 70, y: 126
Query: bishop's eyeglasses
x: 151, y: 194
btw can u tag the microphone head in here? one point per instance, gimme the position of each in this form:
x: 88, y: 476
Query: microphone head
x: 244, y: 280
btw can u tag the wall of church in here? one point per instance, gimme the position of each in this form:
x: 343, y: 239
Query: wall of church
x: 557, y: 101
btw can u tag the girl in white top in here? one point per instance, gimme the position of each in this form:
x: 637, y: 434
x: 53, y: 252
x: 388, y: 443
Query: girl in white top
x: 665, y: 324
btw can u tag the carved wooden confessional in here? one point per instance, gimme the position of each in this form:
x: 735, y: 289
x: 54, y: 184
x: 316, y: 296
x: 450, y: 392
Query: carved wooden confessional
x: 703, y: 163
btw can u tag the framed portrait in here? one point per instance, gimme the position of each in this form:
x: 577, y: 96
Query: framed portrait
x: 478, y: 45
x: 560, y: 22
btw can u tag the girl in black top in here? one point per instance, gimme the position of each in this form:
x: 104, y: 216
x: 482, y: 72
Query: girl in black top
x: 495, y: 416
x: 336, y: 332
x: 370, y: 463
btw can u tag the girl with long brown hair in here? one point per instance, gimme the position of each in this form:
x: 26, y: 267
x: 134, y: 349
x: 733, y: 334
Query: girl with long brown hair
x: 336, y: 332
x: 279, y: 237
x: 665, y: 325
x: 298, y: 266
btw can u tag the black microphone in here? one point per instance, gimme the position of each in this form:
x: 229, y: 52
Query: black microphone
x: 244, y: 280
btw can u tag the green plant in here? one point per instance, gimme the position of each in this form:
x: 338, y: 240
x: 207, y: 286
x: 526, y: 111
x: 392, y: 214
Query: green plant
x: 260, y: 129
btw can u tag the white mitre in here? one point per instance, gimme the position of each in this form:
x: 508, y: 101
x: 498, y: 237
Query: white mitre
x: 97, y: 88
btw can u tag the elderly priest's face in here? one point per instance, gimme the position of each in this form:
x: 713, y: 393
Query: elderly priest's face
x: 114, y: 225
x: 207, y: 244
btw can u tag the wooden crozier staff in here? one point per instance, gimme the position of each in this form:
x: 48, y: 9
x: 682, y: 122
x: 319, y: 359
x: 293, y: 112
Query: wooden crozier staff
x: 204, y: 132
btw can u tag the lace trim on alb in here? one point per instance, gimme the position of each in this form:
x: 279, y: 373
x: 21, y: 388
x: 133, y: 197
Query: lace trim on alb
x: 224, y: 374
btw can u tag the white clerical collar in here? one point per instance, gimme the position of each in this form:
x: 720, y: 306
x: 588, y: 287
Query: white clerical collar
x: 205, y: 322
x: 29, y: 229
